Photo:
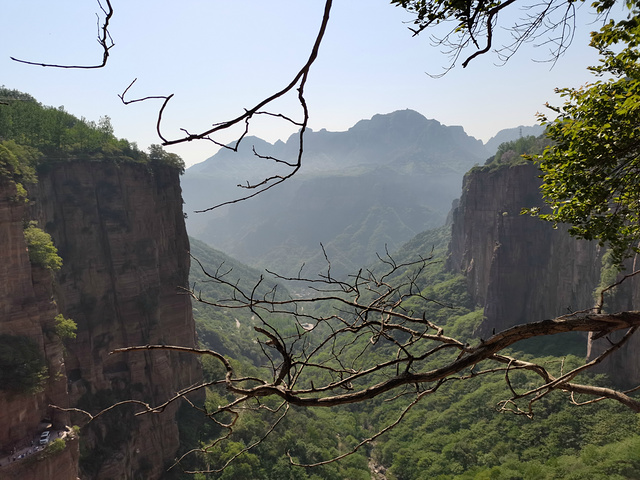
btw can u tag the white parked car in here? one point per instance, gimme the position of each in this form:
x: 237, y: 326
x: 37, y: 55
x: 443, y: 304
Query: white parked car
x: 44, y: 437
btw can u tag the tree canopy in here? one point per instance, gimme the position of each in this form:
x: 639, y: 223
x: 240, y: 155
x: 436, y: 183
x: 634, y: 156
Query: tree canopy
x: 550, y: 23
x: 591, y: 171
x: 33, y: 135
x: 42, y: 251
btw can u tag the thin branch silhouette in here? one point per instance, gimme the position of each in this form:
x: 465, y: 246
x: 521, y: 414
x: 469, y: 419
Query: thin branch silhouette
x: 104, y: 40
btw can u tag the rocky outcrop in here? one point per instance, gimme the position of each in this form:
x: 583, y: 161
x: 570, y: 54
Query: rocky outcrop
x: 46, y: 465
x: 27, y: 310
x: 519, y: 268
x: 522, y: 270
x: 120, y: 231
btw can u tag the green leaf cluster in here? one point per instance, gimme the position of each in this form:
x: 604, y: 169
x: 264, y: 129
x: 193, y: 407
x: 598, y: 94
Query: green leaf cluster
x: 17, y: 163
x: 591, y: 171
x: 65, y: 328
x: 307, y: 435
x: 516, y: 152
x: 42, y: 251
x: 22, y: 366
x: 458, y: 434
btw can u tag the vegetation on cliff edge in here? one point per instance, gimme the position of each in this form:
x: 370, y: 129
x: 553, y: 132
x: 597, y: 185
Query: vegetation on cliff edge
x: 59, y: 136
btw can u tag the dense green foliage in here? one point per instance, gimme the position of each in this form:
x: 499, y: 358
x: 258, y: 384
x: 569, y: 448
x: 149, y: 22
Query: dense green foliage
x: 48, y: 134
x: 516, y: 152
x: 65, y: 328
x: 17, y: 163
x: 591, y: 170
x: 42, y: 251
x: 57, y: 133
x: 456, y: 433
x: 22, y: 367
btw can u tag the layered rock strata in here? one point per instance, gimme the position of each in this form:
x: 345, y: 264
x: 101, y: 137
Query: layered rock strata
x: 523, y: 270
x: 27, y: 310
x: 520, y: 268
x: 120, y: 231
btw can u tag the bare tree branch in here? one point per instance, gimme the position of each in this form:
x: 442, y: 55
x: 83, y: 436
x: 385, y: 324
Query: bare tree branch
x: 104, y: 39
x: 298, y: 83
x: 309, y: 366
x: 549, y: 23
x: 600, y: 303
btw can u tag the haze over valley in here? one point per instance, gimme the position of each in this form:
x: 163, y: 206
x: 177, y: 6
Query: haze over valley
x: 359, y: 192
x: 110, y: 309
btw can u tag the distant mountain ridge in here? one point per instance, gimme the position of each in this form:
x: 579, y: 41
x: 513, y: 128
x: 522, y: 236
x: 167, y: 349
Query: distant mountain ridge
x: 398, y: 137
x: 359, y: 192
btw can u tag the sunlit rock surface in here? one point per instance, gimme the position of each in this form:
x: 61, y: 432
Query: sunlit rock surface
x: 523, y: 270
x: 120, y: 231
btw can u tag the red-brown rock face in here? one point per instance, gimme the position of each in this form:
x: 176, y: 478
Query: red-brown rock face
x: 518, y: 267
x: 624, y: 365
x: 27, y: 310
x: 120, y: 231
x: 522, y: 270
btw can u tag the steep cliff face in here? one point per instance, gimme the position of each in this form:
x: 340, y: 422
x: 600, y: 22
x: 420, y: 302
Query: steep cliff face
x: 522, y: 270
x: 519, y: 268
x: 120, y: 231
x: 28, y: 311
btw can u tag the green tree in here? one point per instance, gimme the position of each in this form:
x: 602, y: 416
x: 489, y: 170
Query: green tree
x: 592, y: 170
x: 22, y: 367
x: 17, y: 163
x: 42, y: 251
x: 157, y: 155
x: 65, y: 327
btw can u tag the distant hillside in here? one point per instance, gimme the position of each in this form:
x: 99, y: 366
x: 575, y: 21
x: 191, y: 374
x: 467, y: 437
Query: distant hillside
x: 228, y: 331
x: 359, y: 192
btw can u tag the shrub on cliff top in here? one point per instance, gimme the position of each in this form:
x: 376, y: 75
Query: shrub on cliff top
x: 17, y: 164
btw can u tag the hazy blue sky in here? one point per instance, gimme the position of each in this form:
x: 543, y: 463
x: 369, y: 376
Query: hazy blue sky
x: 221, y: 56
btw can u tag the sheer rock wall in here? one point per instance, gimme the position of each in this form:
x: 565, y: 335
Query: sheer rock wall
x: 623, y: 365
x: 27, y: 309
x: 519, y: 268
x: 522, y: 270
x: 120, y: 231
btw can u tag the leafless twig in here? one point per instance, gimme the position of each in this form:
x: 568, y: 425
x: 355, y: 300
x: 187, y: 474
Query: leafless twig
x: 104, y: 39
x: 329, y: 364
